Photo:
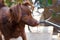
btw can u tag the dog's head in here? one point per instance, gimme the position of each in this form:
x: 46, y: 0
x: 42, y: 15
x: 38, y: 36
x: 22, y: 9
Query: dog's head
x: 23, y: 13
x: 27, y: 16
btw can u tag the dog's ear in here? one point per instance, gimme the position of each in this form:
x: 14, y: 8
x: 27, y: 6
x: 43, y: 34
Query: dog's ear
x: 16, y: 13
x: 28, y: 3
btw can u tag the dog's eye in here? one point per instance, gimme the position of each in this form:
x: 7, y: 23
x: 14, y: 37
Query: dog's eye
x: 29, y: 14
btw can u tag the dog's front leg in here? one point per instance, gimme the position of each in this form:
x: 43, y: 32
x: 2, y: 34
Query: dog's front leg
x: 23, y: 36
x: 6, y: 38
x: 0, y: 37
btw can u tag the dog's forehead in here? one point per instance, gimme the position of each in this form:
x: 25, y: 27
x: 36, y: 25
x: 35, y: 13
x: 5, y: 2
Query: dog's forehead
x: 26, y: 9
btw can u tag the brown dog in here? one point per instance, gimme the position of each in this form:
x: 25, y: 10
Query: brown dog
x: 13, y: 20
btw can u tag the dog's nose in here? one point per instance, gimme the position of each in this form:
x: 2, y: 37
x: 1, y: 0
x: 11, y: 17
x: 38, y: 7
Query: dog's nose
x: 36, y: 23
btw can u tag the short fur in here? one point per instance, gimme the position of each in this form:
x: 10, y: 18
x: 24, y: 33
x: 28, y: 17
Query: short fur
x: 13, y: 20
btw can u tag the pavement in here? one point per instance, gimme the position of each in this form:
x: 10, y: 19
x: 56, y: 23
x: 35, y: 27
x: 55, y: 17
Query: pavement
x: 43, y: 33
x: 39, y: 36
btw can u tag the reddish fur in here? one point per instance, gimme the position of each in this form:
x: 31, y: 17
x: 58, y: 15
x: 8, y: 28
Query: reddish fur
x: 17, y: 17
